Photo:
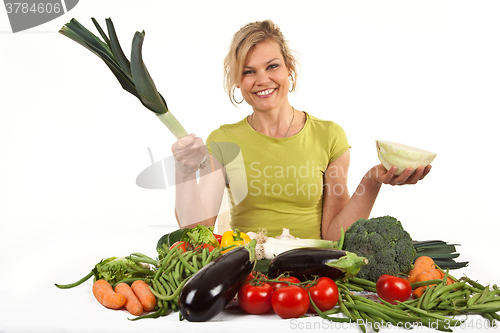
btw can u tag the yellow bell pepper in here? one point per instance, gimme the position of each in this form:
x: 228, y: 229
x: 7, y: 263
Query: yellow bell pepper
x: 233, y: 237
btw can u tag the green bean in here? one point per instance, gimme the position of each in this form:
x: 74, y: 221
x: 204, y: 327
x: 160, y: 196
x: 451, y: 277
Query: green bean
x: 473, y: 283
x: 369, y: 309
x: 141, y: 258
x: 325, y: 316
x: 356, y: 314
x: 168, y: 258
x: 177, y: 272
x: 77, y: 283
x: 158, y: 286
x: 204, y: 255
x: 174, y: 295
x: 426, y: 297
x: 168, y: 289
x: 352, y: 287
x: 426, y: 313
x: 195, y: 262
x: 457, y: 285
x: 483, y: 296
x: 344, y: 308
x: 187, y: 265
x: 169, y: 277
x: 495, y: 315
x: 489, y: 305
x: 445, y: 277
x: 392, y: 312
x: 425, y: 283
x: 210, y: 257
x: 374, y: 324
x: 363, y: 282
x: 172, y: 264
x: 163, y: 311
x: 376, y: 318
x: 447, y: 296
x: 471, y: 301
x: 419, y: 303
x: 394, y: 307
x: 333, y: 311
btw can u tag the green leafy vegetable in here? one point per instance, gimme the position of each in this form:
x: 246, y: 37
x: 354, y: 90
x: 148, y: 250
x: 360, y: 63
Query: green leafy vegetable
x: 200, y: 235
x: 116, y: 269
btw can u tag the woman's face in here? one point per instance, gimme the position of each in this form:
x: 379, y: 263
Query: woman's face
x: 264, y: 81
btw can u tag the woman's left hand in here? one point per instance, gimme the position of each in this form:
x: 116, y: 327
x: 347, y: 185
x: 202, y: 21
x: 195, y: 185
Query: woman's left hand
x: 379, y: 174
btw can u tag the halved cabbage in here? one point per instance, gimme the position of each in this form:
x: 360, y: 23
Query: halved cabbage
x: 402, y: 156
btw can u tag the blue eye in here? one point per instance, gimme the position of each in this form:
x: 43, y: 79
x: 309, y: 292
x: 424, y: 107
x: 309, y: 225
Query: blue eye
x: 273, y: 66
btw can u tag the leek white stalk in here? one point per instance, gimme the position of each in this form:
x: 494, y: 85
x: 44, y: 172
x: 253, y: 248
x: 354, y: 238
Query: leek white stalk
x: 273, y: 247
x: 172, y: 124
x: 269, y: 247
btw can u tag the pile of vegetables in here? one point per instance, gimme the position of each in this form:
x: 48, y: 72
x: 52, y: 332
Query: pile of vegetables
x: 181, y: 254
x: 198, y: 273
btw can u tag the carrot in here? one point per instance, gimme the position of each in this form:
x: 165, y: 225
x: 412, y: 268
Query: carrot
x: 103, y: 292
x: 430, y: 275
x: 418, y: 292
x: 144, y: 294
x: 132, y: 303
x: 422, y: 264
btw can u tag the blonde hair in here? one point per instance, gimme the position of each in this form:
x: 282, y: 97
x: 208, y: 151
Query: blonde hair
x: 243, y: 43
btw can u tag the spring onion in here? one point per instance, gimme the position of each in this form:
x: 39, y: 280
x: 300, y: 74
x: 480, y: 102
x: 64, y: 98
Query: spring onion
x: 132, y: 75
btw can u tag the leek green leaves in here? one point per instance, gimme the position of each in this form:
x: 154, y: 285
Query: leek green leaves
x: 132, y: 75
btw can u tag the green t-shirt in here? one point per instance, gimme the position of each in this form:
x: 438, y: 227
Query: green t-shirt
x: 277, y: 183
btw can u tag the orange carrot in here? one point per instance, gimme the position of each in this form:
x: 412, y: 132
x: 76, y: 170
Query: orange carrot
x: 431, y: 274
x: 422, y: 264
x: 132, y: 303
x: 418, y: 292
x: 144, y: 294
x: 103, y: 292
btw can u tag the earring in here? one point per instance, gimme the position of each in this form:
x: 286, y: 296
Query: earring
x: 234, y: 99
x: 292, y: 83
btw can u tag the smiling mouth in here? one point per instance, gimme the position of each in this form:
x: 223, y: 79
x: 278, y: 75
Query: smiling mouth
x: 266, y: 92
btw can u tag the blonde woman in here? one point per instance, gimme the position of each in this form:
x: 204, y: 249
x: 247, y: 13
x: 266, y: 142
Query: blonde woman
x: 282, y: 167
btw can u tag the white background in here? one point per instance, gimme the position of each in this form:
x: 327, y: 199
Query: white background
x: 72, y: 142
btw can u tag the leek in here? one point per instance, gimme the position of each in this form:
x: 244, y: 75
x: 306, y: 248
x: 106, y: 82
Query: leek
x: 132, y: 75
x: 269, y: 247
x: 273, y: 247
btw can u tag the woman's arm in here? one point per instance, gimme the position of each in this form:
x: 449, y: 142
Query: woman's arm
x: 341, y: 210
x: 196, y: 201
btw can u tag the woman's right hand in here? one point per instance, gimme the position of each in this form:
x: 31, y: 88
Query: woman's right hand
x: 189, y: 152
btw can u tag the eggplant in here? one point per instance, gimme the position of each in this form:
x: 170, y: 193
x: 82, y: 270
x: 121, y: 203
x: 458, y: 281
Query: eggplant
x: 305, y: 263
x: 209, y: 290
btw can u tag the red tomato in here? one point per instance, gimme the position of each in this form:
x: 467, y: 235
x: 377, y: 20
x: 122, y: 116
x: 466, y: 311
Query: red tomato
x: 249, y: 277
x: 290, y: 301
x: 218, y: 237
x: 392, y: 288
x: 183, y: 245
x: 325, y: 294
x: 277, y: 285
x: 255, y: 299
x: 203, y: 246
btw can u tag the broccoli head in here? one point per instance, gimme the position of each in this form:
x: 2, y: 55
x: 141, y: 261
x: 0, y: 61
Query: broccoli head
x: 384, y: 242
